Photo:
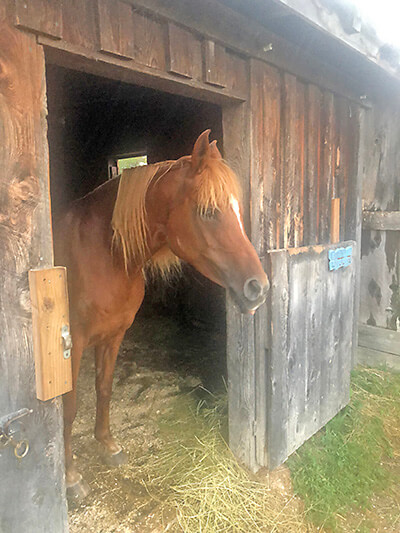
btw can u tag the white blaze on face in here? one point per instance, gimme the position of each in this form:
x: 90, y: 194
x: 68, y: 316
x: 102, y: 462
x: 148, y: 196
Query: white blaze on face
x: 236, y: 210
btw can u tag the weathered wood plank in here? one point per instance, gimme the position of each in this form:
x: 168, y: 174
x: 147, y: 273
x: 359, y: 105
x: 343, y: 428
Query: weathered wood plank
x: 330, y: 353
x: 40, y: 16
x: 346, y: 332
x: 343, y: 159
x: 149, y: 41
x: 313, y: 155
x: 289, y: 151
x: 380, y: 339
x: 314, y: 342
x: 240, y: 35
x: 311, y: 340
x: 262, y: 337
x: 94, y: 62
x: 25, y: 243
x: 237, y: 74
x: 356, y: 165
x: 80, y: 23
x: 335, y: 220
x: 265, y: 170
x: 326, y: 177
x: 240, y: 329
x: 241, y: 379
x: 381, y: 220
x: 237, y: 151
x: 278, y: 369
x: 215, y: 63
x: 184, y: 52
x: 298, y: 319
x: 375, y: 358
x: 300, y: 147
x: 355, y: 173
x: 116, y: 28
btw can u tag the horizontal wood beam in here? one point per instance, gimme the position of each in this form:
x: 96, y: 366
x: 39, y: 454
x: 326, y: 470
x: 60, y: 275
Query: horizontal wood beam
x: 381, y: 220
x: 379, y: 339
x: 375, y: 358
x: 97, y: 63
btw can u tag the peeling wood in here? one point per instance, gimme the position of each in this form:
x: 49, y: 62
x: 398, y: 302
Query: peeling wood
x: 381, y: 220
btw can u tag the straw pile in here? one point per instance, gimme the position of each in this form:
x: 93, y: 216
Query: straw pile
x: 198, y: 476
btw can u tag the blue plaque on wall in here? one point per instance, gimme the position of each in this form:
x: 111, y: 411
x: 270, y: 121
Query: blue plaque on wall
x: 340, y: 258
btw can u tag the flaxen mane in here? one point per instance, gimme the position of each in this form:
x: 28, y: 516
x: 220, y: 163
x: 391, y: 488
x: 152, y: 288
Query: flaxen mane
x: 215, y: 184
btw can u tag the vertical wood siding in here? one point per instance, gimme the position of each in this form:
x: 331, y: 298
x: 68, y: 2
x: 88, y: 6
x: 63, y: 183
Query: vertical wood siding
x: 304, y: 153
x: 32, y: 494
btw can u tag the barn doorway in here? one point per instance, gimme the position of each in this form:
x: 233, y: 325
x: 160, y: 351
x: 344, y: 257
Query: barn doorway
x: 96, y: 125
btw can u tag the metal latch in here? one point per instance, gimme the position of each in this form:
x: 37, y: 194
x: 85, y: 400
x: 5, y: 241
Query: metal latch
x: 7, y: 434
x: 66, y: 341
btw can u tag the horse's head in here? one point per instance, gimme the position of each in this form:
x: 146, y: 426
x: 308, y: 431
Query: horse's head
x: 205, y: 227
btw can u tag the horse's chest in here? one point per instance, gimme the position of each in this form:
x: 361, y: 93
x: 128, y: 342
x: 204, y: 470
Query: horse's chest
x: 107, y: 309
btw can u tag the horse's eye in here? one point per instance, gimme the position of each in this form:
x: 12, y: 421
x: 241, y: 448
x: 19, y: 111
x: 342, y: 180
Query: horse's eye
x: 211, y: 213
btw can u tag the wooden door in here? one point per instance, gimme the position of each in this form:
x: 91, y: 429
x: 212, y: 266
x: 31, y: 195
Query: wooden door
x: 308, y: 357
x: 32, y: 492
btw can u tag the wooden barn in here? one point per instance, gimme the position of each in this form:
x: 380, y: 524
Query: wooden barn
x: 304, y: 102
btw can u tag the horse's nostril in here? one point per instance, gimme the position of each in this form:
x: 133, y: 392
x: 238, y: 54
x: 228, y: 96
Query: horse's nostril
x: 252, y: 289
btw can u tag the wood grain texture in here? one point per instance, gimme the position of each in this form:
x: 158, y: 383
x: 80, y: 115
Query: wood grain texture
x: 184, y: 52
x: 293, y: 160
x: 278, y: 364
x: 40, y: 16
x: 149, y: 41
x: 381, y: 220
x: 343, y: 158
x: 25, y: 243
x: 50, y: 311
x: 374, y: 358
x: 313, y: 162
x: 94, y: 62
x: 116, y: 28
x: 356, y: 166
x: 326, y: 178
x: 80, y: 23
x: 262, y: 340
x: 288, y: 175
x: 265, y: 97
x: 335, y: 220
x: 309, y: 364
x: 241, y: 354
x: 215, y: 63
x: 301, y: 142
x: 237, y: 75
x: 216, y: 22
x: 380, y: 339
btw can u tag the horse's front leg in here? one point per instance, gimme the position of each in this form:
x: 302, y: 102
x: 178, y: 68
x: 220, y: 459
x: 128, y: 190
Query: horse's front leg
x: 77, y: 488
x: 106, y: 355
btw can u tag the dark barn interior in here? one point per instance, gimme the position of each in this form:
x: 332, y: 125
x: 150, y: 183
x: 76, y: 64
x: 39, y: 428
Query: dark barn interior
x: 94, y: 120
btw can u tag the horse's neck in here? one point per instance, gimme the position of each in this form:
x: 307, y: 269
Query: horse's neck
x: 99, y: 204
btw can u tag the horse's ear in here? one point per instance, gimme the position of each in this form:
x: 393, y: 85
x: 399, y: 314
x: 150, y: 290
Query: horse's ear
x: 201, y: 150
x: 214, y: 152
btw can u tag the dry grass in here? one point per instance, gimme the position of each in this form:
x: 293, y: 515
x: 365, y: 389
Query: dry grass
x: 199, y: 478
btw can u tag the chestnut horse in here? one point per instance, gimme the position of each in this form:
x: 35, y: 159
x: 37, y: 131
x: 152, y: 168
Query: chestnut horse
x: 154, y: 215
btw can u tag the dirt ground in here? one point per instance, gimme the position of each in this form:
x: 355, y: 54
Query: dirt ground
x: 159, y: 359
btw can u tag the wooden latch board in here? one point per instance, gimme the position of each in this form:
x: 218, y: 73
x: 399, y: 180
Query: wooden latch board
x: 50, y: 318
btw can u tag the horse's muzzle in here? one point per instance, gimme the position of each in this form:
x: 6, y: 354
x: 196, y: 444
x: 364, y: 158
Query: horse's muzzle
x: 253, y: 295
